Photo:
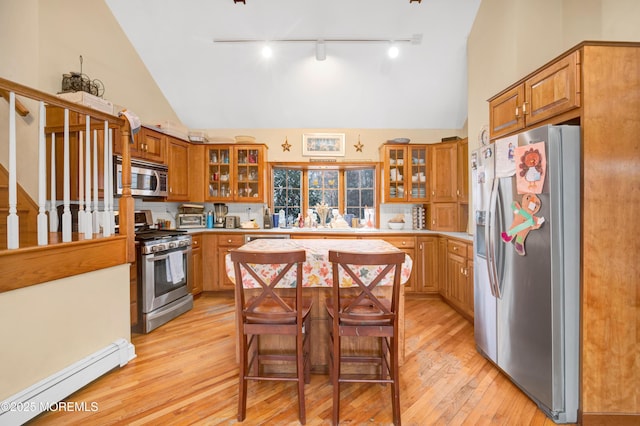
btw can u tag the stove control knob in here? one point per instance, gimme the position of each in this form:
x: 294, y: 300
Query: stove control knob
x: 172, y: 245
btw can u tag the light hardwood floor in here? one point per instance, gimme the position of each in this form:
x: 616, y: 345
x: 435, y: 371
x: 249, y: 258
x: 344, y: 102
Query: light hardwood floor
x: 185, y: 373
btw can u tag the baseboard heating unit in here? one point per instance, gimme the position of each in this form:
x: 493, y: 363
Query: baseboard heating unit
x: 47, y: 393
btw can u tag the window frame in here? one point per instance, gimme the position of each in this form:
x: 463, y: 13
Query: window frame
x: 322, y: 165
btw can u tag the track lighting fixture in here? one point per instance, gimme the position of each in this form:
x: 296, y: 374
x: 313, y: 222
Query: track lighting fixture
x: 321, y: 48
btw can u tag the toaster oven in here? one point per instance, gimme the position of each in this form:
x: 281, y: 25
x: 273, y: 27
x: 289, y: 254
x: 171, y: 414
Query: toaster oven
x: 191, y: 220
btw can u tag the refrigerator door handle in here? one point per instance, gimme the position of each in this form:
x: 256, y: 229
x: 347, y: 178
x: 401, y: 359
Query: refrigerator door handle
x: 498, y: 254
x: 489, y: 237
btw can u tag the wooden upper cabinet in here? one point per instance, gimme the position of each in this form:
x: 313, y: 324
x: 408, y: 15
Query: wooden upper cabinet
x: 444, y: 160
x: 236, y: 173
x: 178, y: 163
x: 149, y: 145
x: 504, y: 112
x: 462, y: 179
x: 547, y: 93
x: 553, y: 90
x: 405, y: 173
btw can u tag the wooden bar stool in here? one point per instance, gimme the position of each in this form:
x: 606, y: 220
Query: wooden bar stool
x: 365, y: 314
x: 267, y: 310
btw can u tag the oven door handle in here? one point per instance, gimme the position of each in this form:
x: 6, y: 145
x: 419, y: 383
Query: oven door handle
x: 155, y: 258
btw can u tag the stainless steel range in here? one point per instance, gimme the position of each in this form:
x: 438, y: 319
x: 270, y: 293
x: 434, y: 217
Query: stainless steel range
x: 163, y: 258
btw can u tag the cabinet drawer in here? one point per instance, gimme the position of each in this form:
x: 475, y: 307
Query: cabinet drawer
x: 401, y: 242
x: 230, y: 240
x: 457, y: 247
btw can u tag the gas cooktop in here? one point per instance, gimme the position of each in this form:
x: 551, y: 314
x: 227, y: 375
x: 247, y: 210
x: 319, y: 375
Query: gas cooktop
x: 156, y: 234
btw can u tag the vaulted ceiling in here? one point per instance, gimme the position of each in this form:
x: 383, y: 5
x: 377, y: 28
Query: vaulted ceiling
x: 230, y: 85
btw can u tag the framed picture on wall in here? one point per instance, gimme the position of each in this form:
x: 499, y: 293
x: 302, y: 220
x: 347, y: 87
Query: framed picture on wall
x: 323, y: 144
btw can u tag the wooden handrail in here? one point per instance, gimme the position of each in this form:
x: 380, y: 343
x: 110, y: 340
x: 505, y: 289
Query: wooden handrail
x: 20, y: 108
x: 32, y: 265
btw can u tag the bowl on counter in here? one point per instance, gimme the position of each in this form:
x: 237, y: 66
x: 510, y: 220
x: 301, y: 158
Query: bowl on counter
x: 395, y: 225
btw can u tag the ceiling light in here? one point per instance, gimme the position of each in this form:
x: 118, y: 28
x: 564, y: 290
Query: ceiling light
x: 393, y: 51
x: 321, y: 51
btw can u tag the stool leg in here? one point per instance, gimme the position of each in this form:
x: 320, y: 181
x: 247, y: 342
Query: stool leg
x: 242, y: 386
x: 300, y: 373
x: 335, y: 376
x: 395, y: 388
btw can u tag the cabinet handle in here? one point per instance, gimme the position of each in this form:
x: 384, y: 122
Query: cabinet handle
x: 229, y: 241
x: 455, y: 248
x: 458, y: 192
x: 462, y: 271
x: 433, y: 193
x: 404, y: 243
x: 524, y: 108
x: 517, y: 112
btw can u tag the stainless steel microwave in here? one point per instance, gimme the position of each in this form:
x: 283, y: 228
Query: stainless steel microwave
x: 147, y: 179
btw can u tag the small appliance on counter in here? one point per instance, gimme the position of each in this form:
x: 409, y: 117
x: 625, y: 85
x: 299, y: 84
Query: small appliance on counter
x: 191, y: 216
x: 220, y: 210
x: 267, y: 223
x: 232, y: 222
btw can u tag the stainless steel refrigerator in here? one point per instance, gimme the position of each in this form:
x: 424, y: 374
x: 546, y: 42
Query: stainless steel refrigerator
x: 526, y: 281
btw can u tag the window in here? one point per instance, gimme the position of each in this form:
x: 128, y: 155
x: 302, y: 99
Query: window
x: 360, y: 189
x: 349, y: 189
x: 287, y: 190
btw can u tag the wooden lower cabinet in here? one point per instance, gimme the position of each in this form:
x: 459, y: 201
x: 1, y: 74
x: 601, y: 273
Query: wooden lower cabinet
x: 196, y: 271
x: 214, y: 249
x: 425, y: 266
x: 407, y: 244
x: 457, y: 284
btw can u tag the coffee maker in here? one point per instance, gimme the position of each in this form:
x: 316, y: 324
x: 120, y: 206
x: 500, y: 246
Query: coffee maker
x: 220, y: 210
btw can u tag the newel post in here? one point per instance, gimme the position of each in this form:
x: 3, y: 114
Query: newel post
x: 127, y: 204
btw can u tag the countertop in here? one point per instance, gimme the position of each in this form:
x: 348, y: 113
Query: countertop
x: 334, y: 231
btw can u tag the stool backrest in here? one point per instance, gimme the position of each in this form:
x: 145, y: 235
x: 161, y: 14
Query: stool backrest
x: 268, y: 269
x: 366, y: 305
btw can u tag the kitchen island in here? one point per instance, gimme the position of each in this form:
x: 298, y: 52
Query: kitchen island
x: 317, y: 283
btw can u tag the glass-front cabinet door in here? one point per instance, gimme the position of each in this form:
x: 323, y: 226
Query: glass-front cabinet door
x: 236, y: 173
x: 249, y: 179
x: 394, y: 160
x: 219, y: 170
x: 405, y: 173
x: 418, y: 176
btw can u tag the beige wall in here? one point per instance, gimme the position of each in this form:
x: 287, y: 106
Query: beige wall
x: 48, y: 327
x: 511, y: 38
x: 51, y: 326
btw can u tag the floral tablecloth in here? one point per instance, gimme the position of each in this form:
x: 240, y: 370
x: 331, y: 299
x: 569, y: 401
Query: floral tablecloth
x: 316, y: 270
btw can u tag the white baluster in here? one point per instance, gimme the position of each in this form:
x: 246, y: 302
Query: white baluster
x: 66, y: 190
x: 43, y: 236
x: 13, y: 225
x: 53, y: 210
x: 88, y: 222
x: 106, y: 219
x: 95, y: 211
x: 80, y: 182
